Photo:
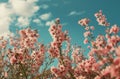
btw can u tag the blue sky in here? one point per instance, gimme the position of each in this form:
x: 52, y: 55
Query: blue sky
x: 39, y: 14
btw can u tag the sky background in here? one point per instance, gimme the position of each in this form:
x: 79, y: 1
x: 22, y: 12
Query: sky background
x: 40, y: 14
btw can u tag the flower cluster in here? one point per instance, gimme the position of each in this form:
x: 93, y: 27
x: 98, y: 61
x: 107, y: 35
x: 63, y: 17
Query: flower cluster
x: 38, y: 58
x: 114, y: 29
x: 63, y: 69
x: 58, y: 37
x: 87, y: 68
x: 77, y: 54
x: 105, y: 51
x: 28, y: 38
x: 23, y: 57
x: 84, y: 22
x: 101, y: 19
x: 88, y: 33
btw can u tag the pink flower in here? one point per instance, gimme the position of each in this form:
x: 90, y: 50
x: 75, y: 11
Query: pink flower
x: 88, y: 47
x: 92, y: 28
x: 101, y: 19
x: 13, y: 60
x: 86, y: 28
x: 57, y: 35
x: 115, y: 68
x: 84, y: 22
x: 87, y: 33
x: 98, y: 14
x: 54, y: 52
x: 114, y: 29
x: 86, y: 41
x: 113, y: 72
x: 95, y: 67
x: 106, y: 71
x: 28, y: 38
x: 55, y: 71
x: 116, y: 61
x: 118, y: 51
x: 114, y: 40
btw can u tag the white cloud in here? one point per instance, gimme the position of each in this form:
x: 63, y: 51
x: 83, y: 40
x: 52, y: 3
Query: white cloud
x: 45, y: 16
x: 48, y: 23
x: 23, y: 21
x: 5, y: 10
x: 24, y: 7
x: 16, y: 9
x: 76, y: 13
x: 37, y: 21
x: 5, y: 18
x: 32, y: 1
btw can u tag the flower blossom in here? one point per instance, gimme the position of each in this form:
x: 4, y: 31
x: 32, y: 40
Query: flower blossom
x: 87, y: 33
x: 28, y: 38
x: 114, y: 29
x: 118, y: 51
x: 58, y: 37
x: 101, y: 19
x: 84, y: 22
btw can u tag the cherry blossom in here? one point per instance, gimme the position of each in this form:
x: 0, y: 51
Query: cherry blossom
x: 101, y: 19
x: 24, y: 57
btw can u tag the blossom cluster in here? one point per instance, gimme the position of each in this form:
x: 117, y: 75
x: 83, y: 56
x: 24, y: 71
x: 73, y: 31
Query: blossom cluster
x: 84, y: 22
x: 58, y: 37
x: 63, y: 68
x: 28, y: 38
x: 105, y: 50
x: 23, y: 57
x: 101, y: 19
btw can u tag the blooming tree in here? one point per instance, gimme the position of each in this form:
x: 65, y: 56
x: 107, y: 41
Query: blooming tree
x: 24, y: 57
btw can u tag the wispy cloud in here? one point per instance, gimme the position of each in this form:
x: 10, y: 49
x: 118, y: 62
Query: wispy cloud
x: 44, y: 19
x: 76, y: 13
x: 23, y: 21
x: 38, y: 22
x: 45, y: 16
x: 48, y: 23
